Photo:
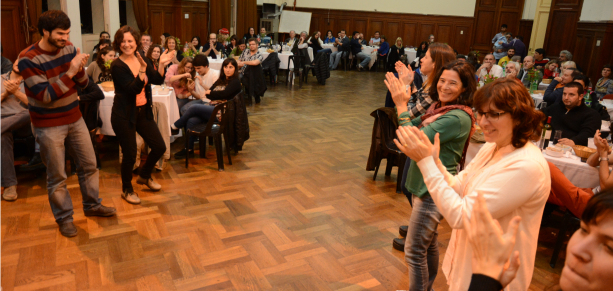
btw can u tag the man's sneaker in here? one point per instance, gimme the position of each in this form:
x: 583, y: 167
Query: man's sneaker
x: 359, y: 68
x: 68, y: 229
x: 130, y: 197
x: 101, y: 211
x: 149, y: 183
x: 35, y: 163
x: 10, y: 193
x: 181, y: 154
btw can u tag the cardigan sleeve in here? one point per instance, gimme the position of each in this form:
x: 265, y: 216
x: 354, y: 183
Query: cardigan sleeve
x: 504, y: 191
x: 124, y: 80
x: 233, y: 88
x: 549, y: 97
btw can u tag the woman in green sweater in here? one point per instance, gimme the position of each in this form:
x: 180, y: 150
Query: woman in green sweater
x: 451, y: 117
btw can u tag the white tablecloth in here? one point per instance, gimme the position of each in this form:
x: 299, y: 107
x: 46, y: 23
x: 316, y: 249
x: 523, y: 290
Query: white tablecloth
x: 538, y: 98
x: 411, y: 54
x: 330, y: 46
x: 577, y: 172
x: 215, y: 63
x: 106, y: 106
x: 608, y: 103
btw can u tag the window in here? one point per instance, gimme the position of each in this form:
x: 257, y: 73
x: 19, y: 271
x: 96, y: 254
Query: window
x: 85, y: 10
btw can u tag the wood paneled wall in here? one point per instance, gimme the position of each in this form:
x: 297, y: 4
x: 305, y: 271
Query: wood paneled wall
x: 169, y: 16
x: 525, y: 30
x: 13, y: 37
x: 413, y: 28
x: 562, y: 26
x: 587, y: 54
x: 489, y: 16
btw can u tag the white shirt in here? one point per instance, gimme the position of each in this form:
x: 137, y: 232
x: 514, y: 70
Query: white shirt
x: 517, y: 185
x: 495, y: 71
x: 207, y: 81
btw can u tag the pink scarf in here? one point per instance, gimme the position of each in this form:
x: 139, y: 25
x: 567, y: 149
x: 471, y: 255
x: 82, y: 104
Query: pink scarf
x: 433, y: 111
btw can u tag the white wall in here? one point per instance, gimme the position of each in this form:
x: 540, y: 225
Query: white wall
x: 436, y: 7
x: 529, y: 9
x: 597, y: 10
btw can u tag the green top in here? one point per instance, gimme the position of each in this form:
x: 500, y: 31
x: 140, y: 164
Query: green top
x: 236, y: 52
x: 453, y: 129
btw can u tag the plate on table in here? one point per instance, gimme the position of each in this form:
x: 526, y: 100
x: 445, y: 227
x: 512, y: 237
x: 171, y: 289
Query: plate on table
x: 554, y: 152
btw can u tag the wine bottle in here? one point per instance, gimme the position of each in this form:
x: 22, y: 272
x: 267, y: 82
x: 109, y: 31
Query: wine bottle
x: 546, y: 133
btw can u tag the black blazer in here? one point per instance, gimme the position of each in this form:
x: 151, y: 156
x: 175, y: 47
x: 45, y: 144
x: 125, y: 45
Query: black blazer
x: 127, y: 87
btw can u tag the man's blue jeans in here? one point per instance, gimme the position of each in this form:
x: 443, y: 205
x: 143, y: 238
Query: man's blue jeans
x: 366, y: 57
x: 52, y: 142
x: 421, y: 247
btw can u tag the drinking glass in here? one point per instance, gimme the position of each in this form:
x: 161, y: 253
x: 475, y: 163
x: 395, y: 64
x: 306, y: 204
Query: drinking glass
x: 557, y: 135
x: 542, y: 105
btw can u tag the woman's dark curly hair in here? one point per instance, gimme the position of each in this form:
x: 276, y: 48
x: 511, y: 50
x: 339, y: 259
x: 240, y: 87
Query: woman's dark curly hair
x: 100, y: 60
x: 509, y: 95
x: 119, y: 38
x: 467, y: 76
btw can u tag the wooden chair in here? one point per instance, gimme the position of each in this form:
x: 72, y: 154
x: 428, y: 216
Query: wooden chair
x: 394, y: 156
x: 213, y: 129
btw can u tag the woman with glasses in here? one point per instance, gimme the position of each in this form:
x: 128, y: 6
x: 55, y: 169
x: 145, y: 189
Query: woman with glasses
x: 509, y: 171
x: 450, y: 118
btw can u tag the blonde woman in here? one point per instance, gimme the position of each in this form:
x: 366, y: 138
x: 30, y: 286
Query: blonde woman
x: 181, y: 78
x: 396, y: 53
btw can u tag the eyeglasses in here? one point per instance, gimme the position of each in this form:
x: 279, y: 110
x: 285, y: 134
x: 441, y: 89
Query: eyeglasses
x: 491, y: 116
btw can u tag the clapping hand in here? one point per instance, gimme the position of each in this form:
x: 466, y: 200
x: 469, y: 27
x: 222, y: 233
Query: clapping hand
x: 492, y: 248
x: 166, y: 57
x: 143, y: 64
x: 601, y: 144
x: 77, y: 63
x: 415, y: 143
x: 405, y: 73
x: 11, y: 86
x: 398, y: 90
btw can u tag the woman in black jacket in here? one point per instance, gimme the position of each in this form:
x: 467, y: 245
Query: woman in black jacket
x: 422, y: 49
x: 250, y: 35
x: 397, y: 50
x: 132, y: 109
x: 225, y: 88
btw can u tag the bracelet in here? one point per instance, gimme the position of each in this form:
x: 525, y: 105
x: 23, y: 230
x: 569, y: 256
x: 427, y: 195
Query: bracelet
x: 142, y: 71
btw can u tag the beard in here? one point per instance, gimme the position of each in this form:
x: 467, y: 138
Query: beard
x: 58, y: 43
x: 511, y: 56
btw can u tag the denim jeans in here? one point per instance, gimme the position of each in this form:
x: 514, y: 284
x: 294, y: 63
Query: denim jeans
x: 15, y: 124
x: 183, y: 102
x: 52, y: 142
x: 421, y: 247
x: 335, y: 58
x: 366, y: 57
x: 195, y: 115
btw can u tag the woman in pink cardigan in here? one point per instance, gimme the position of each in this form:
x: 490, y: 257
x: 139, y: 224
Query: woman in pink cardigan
x: 509, y: 171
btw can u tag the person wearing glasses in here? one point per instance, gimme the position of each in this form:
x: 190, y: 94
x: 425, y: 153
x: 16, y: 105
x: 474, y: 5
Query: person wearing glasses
x: 213, y: 48
x: 509, y: 171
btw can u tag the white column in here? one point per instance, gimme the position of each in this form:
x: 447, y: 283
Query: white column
x: 111, y: 16
x: 75, y: 22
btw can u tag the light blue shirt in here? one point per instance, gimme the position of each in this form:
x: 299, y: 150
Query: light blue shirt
x: 497, y: 46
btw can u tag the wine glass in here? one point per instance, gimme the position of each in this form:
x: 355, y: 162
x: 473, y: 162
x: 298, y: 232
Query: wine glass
x: 557, y: 135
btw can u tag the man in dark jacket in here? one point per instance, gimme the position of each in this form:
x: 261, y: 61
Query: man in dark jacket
x: 555, y: 90
x: 517, y: 44
x: 342, y: 44
x: 576, y: 121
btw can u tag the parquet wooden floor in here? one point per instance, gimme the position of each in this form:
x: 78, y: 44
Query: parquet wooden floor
x: 295, y: 211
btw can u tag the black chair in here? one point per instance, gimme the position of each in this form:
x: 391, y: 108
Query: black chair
x: 382, y: 60
x: 213, y: 129
x: 569, y: 223
x: 297, y: 61
x: 394, y: 156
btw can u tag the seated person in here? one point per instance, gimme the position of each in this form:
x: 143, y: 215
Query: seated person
x: 153, y: 54
x: 15, y: 120
x: 100, y: 70
x: 553, y: 93
x: 181, y: 78
x: 204, y: 79
x: 225, y: 88
x: 103, y: 43
x: 232, y: 43
x: 504, y: 60
x: 292, y: 38
x: 362, y: 40
x: 512, y: 69
x: 375, y: 40
x: 529, y: 72
x: 342, y: 45
x: 576, y: 121
x: 490, y: 68
x: 550, y: 69
x: 238, y: 50
x: 599, y: 108
x: 356, y: 50
x: 263, y: 37
x: 330, y: 39
x: 384, y: 48
x: 213, y: 48
x: 539, y: 59
x: 316, y: 43
x: 604, y: 86
x: 90, y: 94
x: 564, y: 193
x: 568, y: 65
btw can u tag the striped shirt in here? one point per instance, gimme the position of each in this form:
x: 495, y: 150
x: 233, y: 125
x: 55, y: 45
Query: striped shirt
x: 52, y: 95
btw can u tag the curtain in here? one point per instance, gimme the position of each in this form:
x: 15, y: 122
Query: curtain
x: 220, y: 14
x: 141, y: 13
x: 246, y: 16
x: 35, y: 9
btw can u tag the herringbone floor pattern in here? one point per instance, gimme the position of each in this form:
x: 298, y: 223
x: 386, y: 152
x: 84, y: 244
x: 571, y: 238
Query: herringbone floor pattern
x: 295, y: 211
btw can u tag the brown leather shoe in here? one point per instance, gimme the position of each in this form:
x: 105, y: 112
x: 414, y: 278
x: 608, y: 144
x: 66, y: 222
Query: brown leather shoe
x: 10, y: 193
x: 149, y: 183
x: 101, y: 211
x: 68, y: 229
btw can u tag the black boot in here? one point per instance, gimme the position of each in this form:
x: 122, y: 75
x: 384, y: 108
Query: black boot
x: 257, y: 100
x: 35, y: 163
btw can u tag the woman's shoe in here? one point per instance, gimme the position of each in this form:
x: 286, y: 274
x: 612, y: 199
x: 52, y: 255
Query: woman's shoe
x: 130, y: 196
x: 402, y: 230
x: 398, y: 244
x: 149, y: 183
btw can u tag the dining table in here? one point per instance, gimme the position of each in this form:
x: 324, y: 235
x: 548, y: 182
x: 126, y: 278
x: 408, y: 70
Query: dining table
x: 166, y: 96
